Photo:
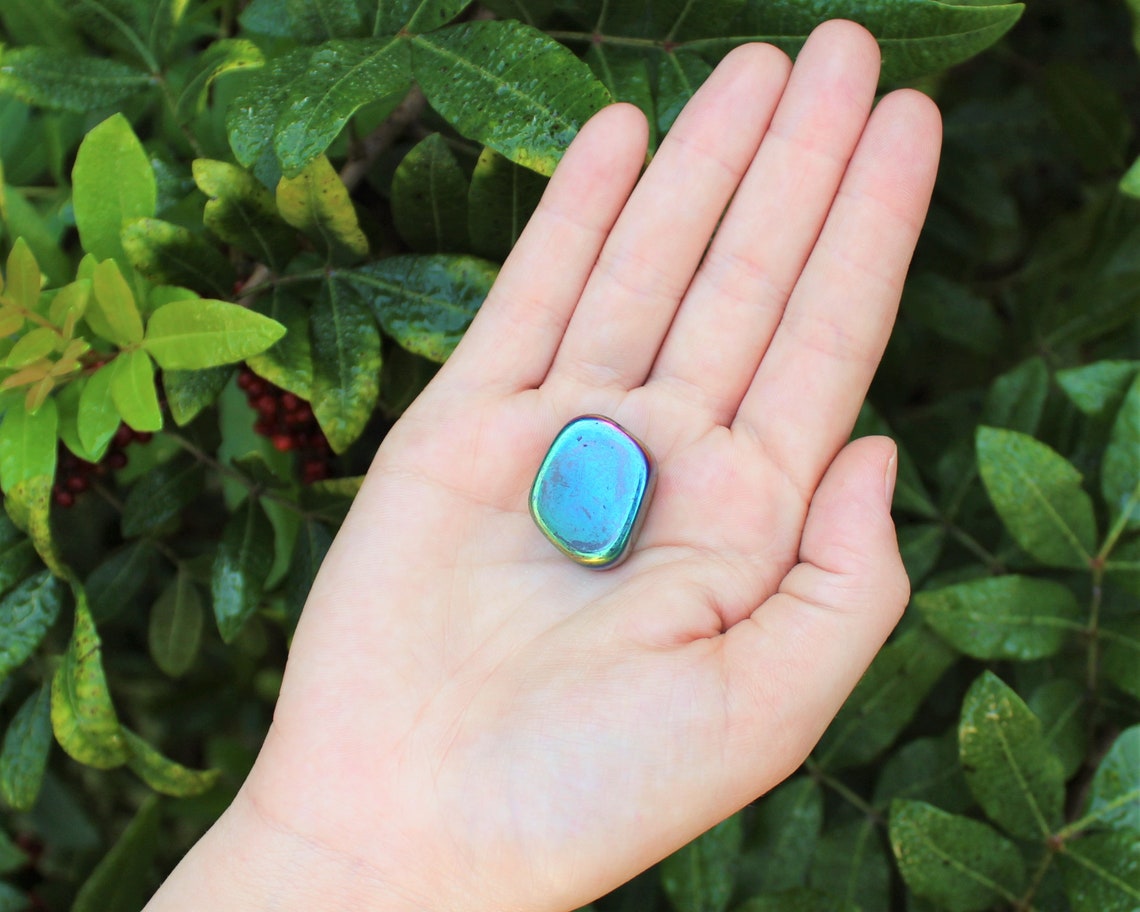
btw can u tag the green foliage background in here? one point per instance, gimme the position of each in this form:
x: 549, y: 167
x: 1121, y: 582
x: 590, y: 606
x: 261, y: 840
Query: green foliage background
x: 324, y: 189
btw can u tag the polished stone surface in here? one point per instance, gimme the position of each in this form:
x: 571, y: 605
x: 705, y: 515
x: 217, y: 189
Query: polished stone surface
x: 591, y: 491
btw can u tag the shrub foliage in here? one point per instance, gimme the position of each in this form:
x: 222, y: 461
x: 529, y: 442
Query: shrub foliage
x: 240, y: 236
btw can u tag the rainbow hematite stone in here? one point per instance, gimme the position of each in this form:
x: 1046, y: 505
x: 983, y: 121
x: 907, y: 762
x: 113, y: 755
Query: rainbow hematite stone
x: 591, y: 491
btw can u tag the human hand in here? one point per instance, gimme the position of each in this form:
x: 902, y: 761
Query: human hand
x: 471, y: 721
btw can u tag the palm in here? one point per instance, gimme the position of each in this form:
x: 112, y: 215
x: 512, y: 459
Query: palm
x: 458, y: 676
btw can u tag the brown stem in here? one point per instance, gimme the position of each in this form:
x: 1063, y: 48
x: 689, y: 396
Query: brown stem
x: 407, y: 112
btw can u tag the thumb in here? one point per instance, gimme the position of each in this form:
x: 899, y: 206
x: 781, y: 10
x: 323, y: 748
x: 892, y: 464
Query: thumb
x: 797, y: 658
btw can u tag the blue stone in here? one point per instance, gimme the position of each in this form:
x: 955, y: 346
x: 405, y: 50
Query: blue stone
x: 591, y: 491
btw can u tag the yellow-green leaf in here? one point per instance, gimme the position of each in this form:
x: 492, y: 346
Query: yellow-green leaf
x: 28, y: 444
x: 31, y: 346
x: 112, y: 182
x: 113, y: 312
x: 317, y: 203
x: 82, y: 714
x: 97, y: 418
x: 195, y: 334
x: 133, y: 391
x: 164, y: 775
x: 23, y: 278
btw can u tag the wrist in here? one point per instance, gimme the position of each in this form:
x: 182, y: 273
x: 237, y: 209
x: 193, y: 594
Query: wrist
x: 247, y: 862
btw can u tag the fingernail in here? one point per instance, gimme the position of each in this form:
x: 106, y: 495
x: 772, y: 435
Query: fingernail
x: 892, y: 477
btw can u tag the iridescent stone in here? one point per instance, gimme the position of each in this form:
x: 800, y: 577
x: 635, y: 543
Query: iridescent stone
x: 591, y: 491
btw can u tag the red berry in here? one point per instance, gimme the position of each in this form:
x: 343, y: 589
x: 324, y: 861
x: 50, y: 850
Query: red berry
x: 263, y: 427
x: 116, y: 459
x: 303, y: 411
x: 257, y: 387
x: 290, y: 402
x: 77, y: 484
x: 266, y: 405
x: 314, y: 470
x: 245, y: 378
x: 123, y: 436
x: 143, y: 436
x: 283, y: 442
x: 63, y: 497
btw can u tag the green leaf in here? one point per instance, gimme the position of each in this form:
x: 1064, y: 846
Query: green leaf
x: 316, y: 202
x: 917, y: 39
x: 133, y: 391
x: 1098, y: 389
x: 1004, y: 617
x: 1090, y: 115
x: 310, y: 21
x: 113, y: 312
x: 116, y: 582
x: 679, y: 77
x: 1120, y: 471
x: 64, y: 81
x: 28, y: 503
x: 952, y: 311
x: 1102, y: 872
x: 341, y: 77
x: 28, y: 445
x: 11, y: 899
x: 97, y: 418
x: 121, y: 882
x: 24, y: 755
x: 426, y: 15
x: 508, y: 86
x: 850, y: 864
x: 164, y: 775
x: 252, y: 116
x: 161, y: 495
x: 1009, y: 767
x: 925, y: 769
x: 112, y: 182
x: 309, y: 550
x: 169, y: 254
x: 82, y: 714
x: 188, y: 392
x: 242, y: 212
x: 625, y: 74
x: 242, y: 564
x: 700, y: 877
x: 1114, y: 799
x: 1061, y: 705
x: 502, y: 198
x: 962, y: 865
x: 223, y: 56
x: 288, y: 363
x: 12, y: 857
x: 1120, y: 661
x: 25, y: 615
x: 23, y: 276
x: 885, y: 699
x: 1016, y: 400
x: 346, y: 365
x: 16, y: 554
x: 201, y: 333
x: 31, y: 346
x: 1038, y: 495
x: 174, y: 633
x: 429, y: 198
x: 1130, y: 181
x: 920, y: 545
x: 425, y: 303
x: 797, y: 899
x: 782, y: 837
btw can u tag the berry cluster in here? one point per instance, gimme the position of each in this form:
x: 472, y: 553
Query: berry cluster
x: 288, y: 421
x: 73, y: 475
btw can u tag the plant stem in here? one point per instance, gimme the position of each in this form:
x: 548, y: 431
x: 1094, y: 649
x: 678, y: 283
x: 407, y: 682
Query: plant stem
x: 844, y: 791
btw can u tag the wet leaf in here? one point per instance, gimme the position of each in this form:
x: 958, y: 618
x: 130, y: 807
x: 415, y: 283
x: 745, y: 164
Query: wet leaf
x: 242, y: 564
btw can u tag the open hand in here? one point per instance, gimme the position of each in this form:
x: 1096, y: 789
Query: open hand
x: 471, y: 721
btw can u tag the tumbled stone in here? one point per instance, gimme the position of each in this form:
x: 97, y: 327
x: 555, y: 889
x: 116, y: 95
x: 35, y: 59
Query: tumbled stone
x: 591, y: 491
